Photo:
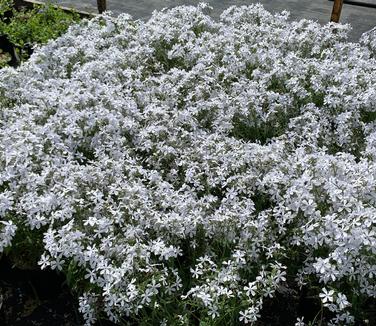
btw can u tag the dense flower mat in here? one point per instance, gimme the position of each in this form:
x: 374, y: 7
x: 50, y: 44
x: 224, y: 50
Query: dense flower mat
x: 187, y: 169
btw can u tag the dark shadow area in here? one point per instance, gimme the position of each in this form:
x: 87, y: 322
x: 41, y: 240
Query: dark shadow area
x: 35, y: 297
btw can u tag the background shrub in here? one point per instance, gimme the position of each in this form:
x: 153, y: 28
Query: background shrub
x: 27, y: 28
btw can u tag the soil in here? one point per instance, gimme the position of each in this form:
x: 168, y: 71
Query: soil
x: 35, y: 297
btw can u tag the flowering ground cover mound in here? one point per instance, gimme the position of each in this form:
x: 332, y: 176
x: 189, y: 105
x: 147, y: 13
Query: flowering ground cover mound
x: 191, y: 171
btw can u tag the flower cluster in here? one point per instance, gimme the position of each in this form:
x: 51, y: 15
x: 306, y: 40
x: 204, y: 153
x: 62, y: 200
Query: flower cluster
x: 7, y: 234
x: 186, y: 168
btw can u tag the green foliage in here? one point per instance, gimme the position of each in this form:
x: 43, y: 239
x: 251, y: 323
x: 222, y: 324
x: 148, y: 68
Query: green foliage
x: 26, y: 253
x: 5, y: 6
x: 27, y: 28
x: 4, y: 58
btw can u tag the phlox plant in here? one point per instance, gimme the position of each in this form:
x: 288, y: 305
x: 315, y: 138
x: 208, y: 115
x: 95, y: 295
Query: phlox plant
x: 187, y: 170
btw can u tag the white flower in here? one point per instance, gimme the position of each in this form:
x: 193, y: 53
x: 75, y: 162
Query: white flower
x: 249, y: 315
x: 341, y: 300
x: 44, y: 261
x: 205, y: 297
x: 245, y: 316
x: 326, y: 296
x: 7, y: 233
x: 213, y: 311
x: 251, y: 289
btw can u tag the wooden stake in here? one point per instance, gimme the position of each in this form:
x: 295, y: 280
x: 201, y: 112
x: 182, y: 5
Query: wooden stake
x: 336, y: 12
x: 102, y: 6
